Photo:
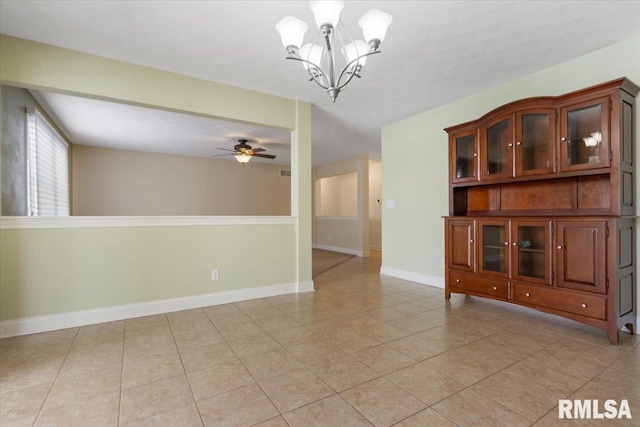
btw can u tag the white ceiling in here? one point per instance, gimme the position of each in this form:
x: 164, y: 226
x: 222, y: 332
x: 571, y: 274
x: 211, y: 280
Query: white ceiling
x: 435, y: 51
x: 97, y: 123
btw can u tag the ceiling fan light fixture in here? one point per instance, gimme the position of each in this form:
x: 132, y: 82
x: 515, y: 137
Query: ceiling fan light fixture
x: 321, y: 62
x: 242, y: 158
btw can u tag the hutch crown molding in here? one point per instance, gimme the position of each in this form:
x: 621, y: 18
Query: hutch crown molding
x: 541, y: 206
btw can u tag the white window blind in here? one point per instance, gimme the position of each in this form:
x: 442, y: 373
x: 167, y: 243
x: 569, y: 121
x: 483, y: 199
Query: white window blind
x: 48, y: 165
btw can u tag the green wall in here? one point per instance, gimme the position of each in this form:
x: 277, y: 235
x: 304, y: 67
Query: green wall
x: 56, y: 271
x: 413, y: 231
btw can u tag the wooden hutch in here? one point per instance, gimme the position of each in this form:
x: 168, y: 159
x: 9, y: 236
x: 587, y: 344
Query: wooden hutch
x: 541, y: 206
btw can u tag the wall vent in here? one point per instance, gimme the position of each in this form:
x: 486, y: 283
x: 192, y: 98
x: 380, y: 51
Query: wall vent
x: 285, y: 173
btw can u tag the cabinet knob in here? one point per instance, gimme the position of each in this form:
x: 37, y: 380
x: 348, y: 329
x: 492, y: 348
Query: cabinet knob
x: 495, y: 288
x: 583, y: 305
x: 559, y: 247
x: 506, y: 243
x: 563, y: 139
x: 510, y: 144
x: 514, y: 244
x: 475, y: 154
x: 518, y: 143
x: 457, y: 280
x: 471, y: 241
x: 527, y: 294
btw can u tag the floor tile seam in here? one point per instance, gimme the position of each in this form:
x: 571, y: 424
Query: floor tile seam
x: 350, y: 404
x: 55, y: 379
x: 443, y: 415
x: 184, y: 369
x: 500, y: 403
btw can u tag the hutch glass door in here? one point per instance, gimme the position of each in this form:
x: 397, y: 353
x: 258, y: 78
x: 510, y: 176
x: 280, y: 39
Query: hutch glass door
x: 494, y: 238
x: 532, y: 251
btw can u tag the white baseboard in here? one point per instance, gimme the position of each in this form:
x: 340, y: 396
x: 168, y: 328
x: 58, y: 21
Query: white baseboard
x: 342, y: 250
x: 411, y: 276
x: 32, y: 325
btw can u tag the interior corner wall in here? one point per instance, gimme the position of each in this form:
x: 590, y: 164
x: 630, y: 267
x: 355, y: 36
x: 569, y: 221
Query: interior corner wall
x: 344, y: 234
x: 375, y: 205
x: 112, y: 182
x: 413, y: 231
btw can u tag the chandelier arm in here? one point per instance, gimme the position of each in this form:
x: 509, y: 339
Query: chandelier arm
x: 313, y: 77
x: 327, y: 40
x: 351, y: 75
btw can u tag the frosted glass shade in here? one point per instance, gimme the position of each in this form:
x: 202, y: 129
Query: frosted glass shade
x: 312, y: 53
x: 243, y: 158
x: 355, y: 49
x: 374, y: 25
x: 292, y: 31
x: 326, y: 12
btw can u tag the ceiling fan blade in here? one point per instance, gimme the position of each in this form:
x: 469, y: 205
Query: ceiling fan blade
x: 222, y: 155
x: 225, y: 149
x: 258, y: 150
x: 266, y: 156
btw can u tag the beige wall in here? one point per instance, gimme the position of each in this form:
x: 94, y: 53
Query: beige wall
x: 413, y: 232
x: 346, y: 234
x: 375, y: 205
x: 337, y: 195
x: 111, y: 182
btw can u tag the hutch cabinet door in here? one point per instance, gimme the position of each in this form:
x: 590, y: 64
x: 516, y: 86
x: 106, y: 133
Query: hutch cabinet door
x: 581, y: 253
x: 464, y: 156
x: 494, y: 247
x: 535, y: 142
x: 584, y: 135
x: 496, y: 149
x: 461, y: 252
x: 531, y: 250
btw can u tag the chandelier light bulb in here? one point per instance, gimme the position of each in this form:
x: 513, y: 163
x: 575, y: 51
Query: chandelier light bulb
x: 355, y: 49
x: 312, y: 53
x: 292, y: 31
x: 326, y: 12
x: 374, y: 25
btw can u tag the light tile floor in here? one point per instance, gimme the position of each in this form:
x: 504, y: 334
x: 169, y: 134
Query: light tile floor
x: 363, y: 349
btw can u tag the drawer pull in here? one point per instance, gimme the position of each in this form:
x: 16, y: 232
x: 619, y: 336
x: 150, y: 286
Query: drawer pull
x: 475, y: 154
x: 583, y: 305
x: 527, y: 294
x: 510, y: 144
x: 457, y: 280
x: 471, y: 241
x: 563, y: 139
x: 495, y: 288
x: 506, y: 243
x: 518, y: 143
x: 559, y: 247
x: 514, y: 244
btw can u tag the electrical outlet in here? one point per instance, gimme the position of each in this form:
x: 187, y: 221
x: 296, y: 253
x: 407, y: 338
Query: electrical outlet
x: 215, y: 274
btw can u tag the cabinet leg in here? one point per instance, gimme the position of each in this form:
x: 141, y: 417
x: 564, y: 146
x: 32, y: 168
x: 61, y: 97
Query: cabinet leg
x: 631, y: 328
x: 447, y: 295
x: 613, y: 335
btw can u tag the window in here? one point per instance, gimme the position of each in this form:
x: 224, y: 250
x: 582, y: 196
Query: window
x: 48, y: 168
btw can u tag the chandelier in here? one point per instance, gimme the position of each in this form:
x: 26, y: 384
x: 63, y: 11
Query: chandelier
x: 320, y: 61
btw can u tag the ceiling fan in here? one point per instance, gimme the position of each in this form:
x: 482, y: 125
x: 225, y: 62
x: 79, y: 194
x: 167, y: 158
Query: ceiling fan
x: 244, y: 152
